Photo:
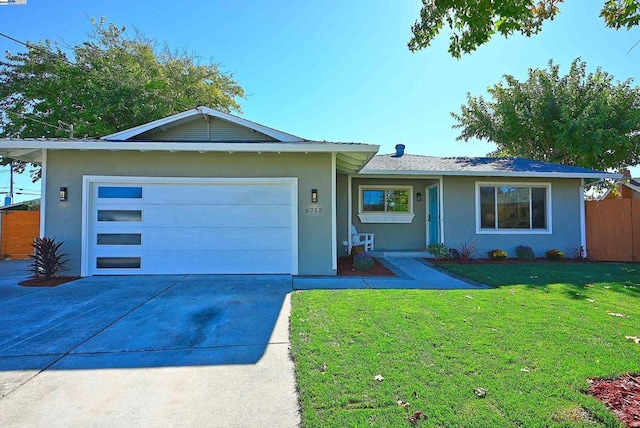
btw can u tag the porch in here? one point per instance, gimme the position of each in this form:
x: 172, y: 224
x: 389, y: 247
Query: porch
x: 404, y: 214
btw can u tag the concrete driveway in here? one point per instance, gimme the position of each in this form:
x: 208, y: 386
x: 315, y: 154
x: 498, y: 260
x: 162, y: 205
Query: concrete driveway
x: 146, y: 351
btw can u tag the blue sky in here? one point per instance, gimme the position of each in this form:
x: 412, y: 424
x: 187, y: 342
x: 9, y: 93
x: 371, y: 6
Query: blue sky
x: 338, y: 70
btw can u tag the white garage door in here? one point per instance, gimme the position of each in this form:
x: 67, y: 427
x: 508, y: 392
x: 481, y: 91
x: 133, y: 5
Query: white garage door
x: 187, y: 226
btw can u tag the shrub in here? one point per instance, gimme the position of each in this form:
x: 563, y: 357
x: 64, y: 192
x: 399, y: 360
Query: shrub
x: 497, y: 255
x: 525, y: 252
x: 48, y: 260
x: 439, y: 251
x: 363, y: 261
x: 554, y: 254
x: 466, y: 250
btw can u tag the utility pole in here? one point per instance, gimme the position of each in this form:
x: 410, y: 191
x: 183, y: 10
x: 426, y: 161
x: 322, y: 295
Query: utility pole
x: 9, y: 199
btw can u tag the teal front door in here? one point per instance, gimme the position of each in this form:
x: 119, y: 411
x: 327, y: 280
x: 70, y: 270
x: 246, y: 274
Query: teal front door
x: 433, y: 217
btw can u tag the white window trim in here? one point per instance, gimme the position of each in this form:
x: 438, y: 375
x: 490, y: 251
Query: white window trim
x: 384, y: 217
x: 546, y: 185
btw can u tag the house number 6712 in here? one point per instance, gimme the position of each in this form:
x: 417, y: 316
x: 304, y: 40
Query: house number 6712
x: 313, y: 210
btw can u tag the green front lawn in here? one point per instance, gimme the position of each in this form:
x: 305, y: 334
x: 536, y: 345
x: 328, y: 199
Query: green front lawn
x: 532, y: 343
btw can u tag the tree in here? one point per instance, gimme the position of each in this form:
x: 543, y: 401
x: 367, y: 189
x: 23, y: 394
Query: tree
x: 579, y: 119
x: 474, y: 22
x: 109, y: 83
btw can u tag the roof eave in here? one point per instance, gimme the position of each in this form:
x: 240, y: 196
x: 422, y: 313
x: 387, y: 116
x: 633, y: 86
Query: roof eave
x: 600, y: 175
x: 31, y: 150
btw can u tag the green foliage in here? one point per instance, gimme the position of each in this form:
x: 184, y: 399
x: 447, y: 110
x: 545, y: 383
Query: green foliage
x: 474, y: 22
x: 106, y: 84
x: 524, y: 252
x: 554, y: 254
x: 363, y: 261
x: 32, y: 205
x: 497, y: 255
x: 621, y: 13
x: 48, y: 260
x: 439, y: 251
x: 579, y: 119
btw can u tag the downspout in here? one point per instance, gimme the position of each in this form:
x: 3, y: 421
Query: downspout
x: 334, y: 216
x: 43, y: 192
x: 350, y: 212
x: 441, y: 208
x: 583, y: 223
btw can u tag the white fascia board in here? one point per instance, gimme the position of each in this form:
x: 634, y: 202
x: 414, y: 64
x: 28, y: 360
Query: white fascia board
x: 188, y: 147
x: 392, y: 176
x: 130, y: 133
x: 412, y: 174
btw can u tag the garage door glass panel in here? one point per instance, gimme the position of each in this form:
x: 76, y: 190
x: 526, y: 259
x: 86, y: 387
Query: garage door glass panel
x: 118, y: 262
x: 119, y: 239
x: 119, y: 215
x: 105, y: 192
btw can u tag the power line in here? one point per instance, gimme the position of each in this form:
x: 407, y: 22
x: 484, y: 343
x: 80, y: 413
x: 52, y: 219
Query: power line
x: 13, y: 40
x: 33, y: 192
x: 22, y: 116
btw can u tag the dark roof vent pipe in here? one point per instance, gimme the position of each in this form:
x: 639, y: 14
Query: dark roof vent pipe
x: 399, y: 151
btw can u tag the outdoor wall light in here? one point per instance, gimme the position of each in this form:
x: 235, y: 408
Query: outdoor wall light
x: 314, y: 195
x: 63, y: 194
x: 418, y: 196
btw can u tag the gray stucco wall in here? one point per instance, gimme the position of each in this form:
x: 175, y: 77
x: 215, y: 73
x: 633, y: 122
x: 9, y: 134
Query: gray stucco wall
x: 395, y: 236
x: 67, y: 167
x: 460, y: 221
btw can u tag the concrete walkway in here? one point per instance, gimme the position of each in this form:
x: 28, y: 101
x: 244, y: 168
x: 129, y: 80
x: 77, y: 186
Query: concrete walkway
x: 413, y: 273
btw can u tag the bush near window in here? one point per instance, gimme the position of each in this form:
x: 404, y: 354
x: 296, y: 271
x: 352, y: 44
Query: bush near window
x: 497, y: 255
x: 439, y: 251
x: 554, y: 254
x: 363, y: 261
x: 524, y: 252
x: 466, y: 250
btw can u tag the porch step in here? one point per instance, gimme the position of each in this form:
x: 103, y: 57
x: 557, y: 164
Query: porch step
x: 413, y: 254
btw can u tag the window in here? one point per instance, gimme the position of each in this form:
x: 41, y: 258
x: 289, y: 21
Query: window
x: 119, y: 215
x: 385, y: 204
x: 513, y: 207
x: 385, y: 201
x: 108, y: 192
x: 118, y: 262
x: 119, y: 239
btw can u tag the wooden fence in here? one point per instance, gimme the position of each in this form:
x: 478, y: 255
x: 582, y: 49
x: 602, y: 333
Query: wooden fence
x: 613, y: 230
x: 19, y: 229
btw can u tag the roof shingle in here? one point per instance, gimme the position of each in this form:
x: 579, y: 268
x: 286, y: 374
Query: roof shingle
x: 419, y: 164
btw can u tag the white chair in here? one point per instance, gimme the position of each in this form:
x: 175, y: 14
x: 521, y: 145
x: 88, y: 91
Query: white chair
x: 358, y: 239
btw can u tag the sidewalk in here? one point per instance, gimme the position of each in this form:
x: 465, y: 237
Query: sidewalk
x: 413, y: 273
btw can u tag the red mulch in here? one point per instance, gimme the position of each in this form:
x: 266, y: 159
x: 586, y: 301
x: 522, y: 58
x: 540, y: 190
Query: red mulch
x: 345, y: 268
x: 621, y: 395
x: 507, y: 261
x: 44, y: 282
